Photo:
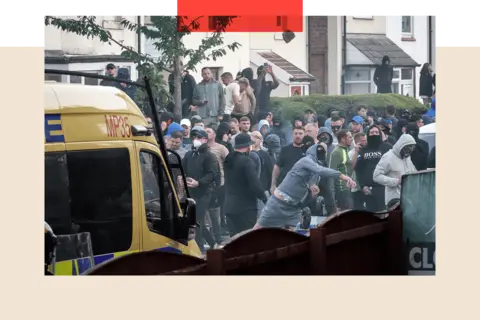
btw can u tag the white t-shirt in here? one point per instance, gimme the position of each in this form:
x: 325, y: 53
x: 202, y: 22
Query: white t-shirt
x: 232, y: 89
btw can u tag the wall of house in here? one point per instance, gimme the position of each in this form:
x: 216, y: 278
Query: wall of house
x: 71, y: 43
x: 366, y: 24
x: 295, y: 51
x: 317, y: 52
x: 334, y: 70
x: 414, y: 44
x: 434, y: 43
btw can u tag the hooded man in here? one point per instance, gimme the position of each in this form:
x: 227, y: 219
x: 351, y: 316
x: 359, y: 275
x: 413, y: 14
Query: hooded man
x: 420, y: 154
x: 124, y: 74
x: 367, y: 160
x: 285, y: 205
x: 243, y: 187
x: 383, y: 76
x: 273, y: 145
x: 263, y: 127
x: 277, y: 129
x: 393, y: 165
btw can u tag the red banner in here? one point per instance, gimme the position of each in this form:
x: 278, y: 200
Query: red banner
x: 246, y: 15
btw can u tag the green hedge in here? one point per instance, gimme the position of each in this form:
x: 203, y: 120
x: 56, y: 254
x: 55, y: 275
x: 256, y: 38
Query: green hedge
x: 289, y: 108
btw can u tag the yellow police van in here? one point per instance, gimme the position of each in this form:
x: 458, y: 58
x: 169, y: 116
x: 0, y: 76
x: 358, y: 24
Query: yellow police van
x: 106, y: 175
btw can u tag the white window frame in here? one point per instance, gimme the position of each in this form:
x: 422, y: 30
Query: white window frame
x: 362, y: 14
x: 305, y: 88
x: 407, y: 34
x: 369, y: 82
x: 403, y: 82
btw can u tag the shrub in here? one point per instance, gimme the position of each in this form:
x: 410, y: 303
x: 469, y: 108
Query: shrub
x: 291, y: 107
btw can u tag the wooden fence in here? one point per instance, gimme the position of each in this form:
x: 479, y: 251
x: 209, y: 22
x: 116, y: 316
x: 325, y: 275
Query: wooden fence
x: 349, y: 243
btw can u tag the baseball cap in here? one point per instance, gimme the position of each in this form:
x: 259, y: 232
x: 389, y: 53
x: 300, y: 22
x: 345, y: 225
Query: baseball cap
x: 185, y: 122
x: 110, y: 66
x: 199, y: 132
x: 174, y: 127
x: 357, y: 119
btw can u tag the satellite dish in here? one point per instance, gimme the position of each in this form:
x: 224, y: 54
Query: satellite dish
x: 288, y: 36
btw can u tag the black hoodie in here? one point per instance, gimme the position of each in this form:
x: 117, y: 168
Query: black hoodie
x: 202, y: 165
x: 368, y: 158
x: 383, y: 76
x: 419, y: 155
x: 242, y: 185
x: 223, y: 128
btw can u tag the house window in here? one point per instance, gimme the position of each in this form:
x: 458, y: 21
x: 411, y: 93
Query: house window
x: 92, y: 81
x: 407, y: 25
x: 75, y: 79
x: 358, y: 80
x: 216, y: 72
x: 362, y: 13
x: 53, y: 77
x: 298, y: 90
x: 407, y: 74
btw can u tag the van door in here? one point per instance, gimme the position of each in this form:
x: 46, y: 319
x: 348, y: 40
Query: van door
x: 160, y: 204
x: 104, y: 195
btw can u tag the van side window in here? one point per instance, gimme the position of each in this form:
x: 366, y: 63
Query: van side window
x: 158, y: 208
x: 57, y: 196
x: 101, y: 197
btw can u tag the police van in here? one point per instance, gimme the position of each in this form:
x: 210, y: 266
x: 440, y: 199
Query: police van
x: 106, y: 175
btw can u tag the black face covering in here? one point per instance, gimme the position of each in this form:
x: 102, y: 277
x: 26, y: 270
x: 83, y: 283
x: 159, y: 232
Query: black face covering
x: 386, y: 131
x: 321, y: 154
x: 335, y: 129
x: 407, y: 151
x: 325, y: 138
x: 374, y: 141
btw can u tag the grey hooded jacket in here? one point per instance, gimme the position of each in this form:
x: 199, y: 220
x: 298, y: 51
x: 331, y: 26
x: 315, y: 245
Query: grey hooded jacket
x: 305, y: 173
x: 392, y: 167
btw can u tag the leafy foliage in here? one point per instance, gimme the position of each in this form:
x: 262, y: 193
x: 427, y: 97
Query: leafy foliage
x: 291, y: 107
x: 166, y: 33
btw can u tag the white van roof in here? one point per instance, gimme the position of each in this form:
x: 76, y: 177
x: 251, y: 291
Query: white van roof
x: 429, y: 128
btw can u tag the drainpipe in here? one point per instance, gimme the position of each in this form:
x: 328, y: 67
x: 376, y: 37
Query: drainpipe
x: 307, y: 27
x: 139, y: 36
x: 344, y: 52
x: 430, y: 38
x: 414, y: 82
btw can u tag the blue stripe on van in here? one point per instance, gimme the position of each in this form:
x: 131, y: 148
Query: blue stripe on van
x: 49, y: 137
x: 169, y: 249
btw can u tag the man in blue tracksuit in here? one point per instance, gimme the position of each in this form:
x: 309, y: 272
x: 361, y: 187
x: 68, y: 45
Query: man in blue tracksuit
x: 284, y: 207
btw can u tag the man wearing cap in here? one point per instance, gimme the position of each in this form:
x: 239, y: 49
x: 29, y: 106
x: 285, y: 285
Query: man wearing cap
x: 110, y: 71
x: 243, y: 187
x: 187, y: 141
x: 203, y: 177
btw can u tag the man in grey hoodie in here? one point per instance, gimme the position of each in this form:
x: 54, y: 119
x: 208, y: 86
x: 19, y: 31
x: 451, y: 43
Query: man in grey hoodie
x: 284, y: 207
x: 393, y: 165
x: 209, y: 97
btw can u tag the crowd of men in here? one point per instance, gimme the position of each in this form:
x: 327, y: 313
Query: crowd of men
x: 246, y: 171
x: 246, y: 176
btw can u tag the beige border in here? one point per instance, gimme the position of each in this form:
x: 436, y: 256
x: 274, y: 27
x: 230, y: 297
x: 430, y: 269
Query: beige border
x: 261, y: 297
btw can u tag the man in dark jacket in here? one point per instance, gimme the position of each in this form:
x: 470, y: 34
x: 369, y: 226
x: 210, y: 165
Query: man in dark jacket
x: 243, y: 187
x: 383, y: 76
x: 188, y: 85
x: 110, y: 71
x: 278, y: 130
x: 203, y: 176
x: 368, y: 158
x: 419, y: 155
x: 124, y: 74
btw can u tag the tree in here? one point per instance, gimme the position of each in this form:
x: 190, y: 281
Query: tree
x: 167, y: 33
